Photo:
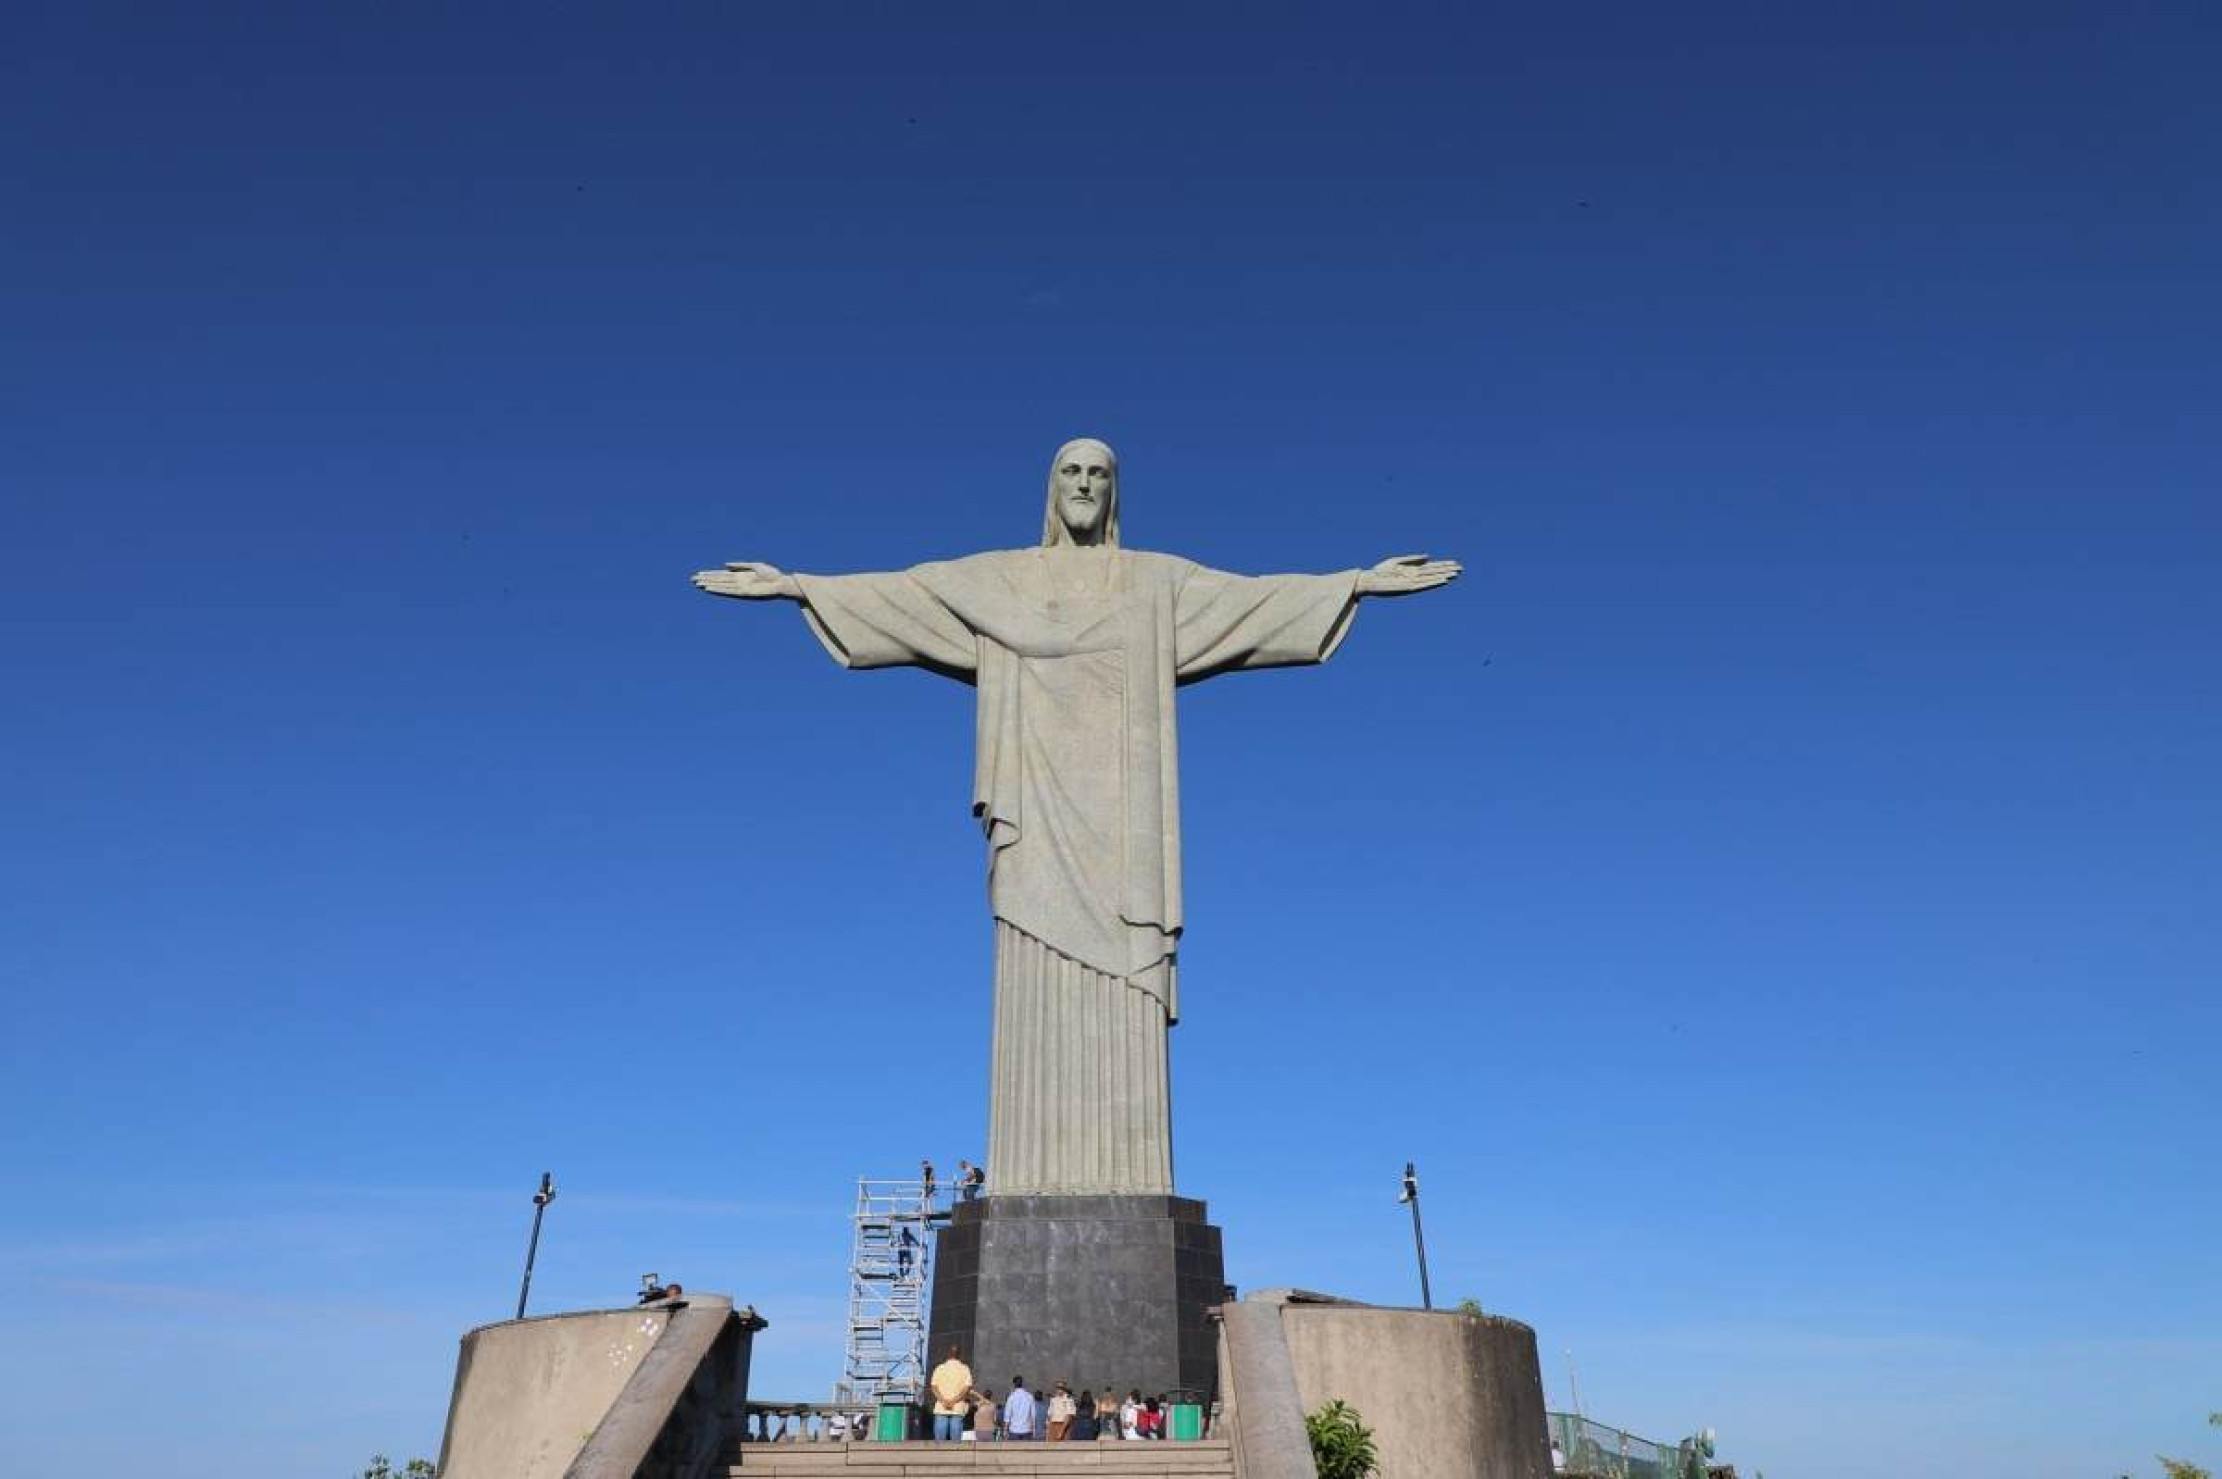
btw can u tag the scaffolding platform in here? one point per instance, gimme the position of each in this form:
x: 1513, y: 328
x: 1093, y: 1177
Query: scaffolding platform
x: 890, y: 1270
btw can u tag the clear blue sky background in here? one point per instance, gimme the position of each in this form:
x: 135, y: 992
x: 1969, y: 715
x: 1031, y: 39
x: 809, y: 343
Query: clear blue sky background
x: 1774, y: 896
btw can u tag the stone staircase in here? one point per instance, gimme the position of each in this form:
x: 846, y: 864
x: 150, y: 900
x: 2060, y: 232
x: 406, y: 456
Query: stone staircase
x: 1209, y: 1458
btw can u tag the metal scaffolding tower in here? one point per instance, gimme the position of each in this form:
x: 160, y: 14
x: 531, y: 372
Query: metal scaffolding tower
x: 888, y: 1269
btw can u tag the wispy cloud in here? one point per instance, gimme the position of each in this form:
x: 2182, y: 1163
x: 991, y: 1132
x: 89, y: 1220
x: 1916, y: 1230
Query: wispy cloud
x: 196, y: 1238
x: 702, y: 1206
x: 1777, y: 1342
x: 231, y: 1305
x: 478, y: 1198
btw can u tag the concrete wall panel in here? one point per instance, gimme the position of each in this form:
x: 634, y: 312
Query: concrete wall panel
x: 530, y: 1393
x: 1448, y: 1396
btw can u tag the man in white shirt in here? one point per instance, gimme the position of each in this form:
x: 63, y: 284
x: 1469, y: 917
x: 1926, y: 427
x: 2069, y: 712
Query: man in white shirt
x: 1020, y: 1411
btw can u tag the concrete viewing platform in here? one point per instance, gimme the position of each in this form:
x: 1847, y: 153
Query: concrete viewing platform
x: 662, y: 1393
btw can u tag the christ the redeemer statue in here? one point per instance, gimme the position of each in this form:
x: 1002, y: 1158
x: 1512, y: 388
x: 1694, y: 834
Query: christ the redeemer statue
x: 1076, y: 646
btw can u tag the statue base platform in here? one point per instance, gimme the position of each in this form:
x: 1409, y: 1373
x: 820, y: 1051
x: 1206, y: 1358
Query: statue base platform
x: 1080, y: 1289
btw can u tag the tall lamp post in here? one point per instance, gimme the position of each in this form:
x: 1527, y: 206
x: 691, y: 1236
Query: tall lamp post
x: 540, y: 1200
x: 1411, y: 1195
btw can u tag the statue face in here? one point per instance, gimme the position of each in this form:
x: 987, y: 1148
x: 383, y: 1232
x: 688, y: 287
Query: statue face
x: 1085, y: 479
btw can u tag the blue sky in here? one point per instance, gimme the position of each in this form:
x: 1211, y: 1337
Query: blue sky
x: 1773, y: 896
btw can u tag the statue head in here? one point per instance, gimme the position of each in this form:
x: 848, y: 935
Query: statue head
x: 1083, y: 495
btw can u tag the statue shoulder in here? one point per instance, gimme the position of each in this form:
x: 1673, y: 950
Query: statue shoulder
x: 988, y: 563
x: 1017, y: 569
x: 1156, y: 568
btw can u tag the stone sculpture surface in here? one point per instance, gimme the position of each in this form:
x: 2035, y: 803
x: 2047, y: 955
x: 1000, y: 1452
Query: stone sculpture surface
x: 1076, y: 647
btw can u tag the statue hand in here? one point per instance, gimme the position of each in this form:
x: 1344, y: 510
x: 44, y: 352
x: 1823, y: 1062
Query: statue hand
x: 749, y: 580
x: 1401, y: 575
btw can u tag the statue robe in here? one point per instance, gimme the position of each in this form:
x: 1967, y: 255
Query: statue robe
x: 1075, y: 654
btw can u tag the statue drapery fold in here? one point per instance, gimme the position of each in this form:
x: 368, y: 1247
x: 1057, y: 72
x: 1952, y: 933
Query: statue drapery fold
x: 1076, y: 656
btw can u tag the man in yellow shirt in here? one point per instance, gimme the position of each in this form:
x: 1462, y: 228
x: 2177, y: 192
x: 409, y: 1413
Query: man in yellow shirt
x: 951, y: 1385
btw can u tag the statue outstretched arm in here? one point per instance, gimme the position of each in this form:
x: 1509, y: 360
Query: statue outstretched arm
x: 885, y: 620
x: 1226, y: 623
x: 1404, y: 575
x: 749, y: 580
x: 1233, y: 623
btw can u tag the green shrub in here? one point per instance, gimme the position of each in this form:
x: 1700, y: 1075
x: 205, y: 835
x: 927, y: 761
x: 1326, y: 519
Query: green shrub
x: 382, y: 1467
x: 1342, y: 1446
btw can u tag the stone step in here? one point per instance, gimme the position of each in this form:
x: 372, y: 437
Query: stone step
x: 1208, y: 1458
x: 820, y: 1456
x: 822, y: 1462
x: 1005, y: 1471
x: 1218, y: 1469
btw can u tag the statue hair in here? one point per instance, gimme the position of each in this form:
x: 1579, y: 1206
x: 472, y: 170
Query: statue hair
x: 1054, y: 531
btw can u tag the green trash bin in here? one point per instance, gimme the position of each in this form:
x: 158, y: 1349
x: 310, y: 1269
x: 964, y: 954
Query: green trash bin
x: 892, y: 1424
x: 1188, y: 1421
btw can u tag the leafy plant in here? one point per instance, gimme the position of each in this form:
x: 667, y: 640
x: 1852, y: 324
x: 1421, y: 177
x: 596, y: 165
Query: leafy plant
x: 2181, y: 1468
x: 1342, y: 1446
x: 382, y: 1467
x: 1470, y: 1306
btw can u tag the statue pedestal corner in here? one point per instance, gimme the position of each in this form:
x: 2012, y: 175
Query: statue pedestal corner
x: 1081, y: 1289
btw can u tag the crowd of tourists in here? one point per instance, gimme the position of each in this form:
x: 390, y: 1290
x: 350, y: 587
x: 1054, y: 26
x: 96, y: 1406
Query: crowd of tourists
x: 963, y: 1412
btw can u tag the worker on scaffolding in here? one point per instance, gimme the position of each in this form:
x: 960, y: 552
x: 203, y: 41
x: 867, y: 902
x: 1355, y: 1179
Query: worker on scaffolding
x: 926, y: 1175
x: 906, y: 1252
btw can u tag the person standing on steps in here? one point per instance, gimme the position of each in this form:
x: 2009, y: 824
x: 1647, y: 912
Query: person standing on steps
x: 1062, y: 1410
x: 951, y: 1385
x: 1021, y: 1414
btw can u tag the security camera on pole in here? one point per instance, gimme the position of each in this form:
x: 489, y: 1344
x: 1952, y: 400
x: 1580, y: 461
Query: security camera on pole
x: 1411, y: 1195
x: 540, y: 1200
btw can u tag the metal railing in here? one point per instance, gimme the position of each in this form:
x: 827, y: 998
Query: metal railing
x: 807, y: 1422
x: 1583, y: 1449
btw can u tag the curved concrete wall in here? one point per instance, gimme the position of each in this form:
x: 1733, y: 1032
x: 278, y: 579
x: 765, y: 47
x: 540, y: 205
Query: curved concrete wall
x: 530, y: 1393
x: 1448, y: 1396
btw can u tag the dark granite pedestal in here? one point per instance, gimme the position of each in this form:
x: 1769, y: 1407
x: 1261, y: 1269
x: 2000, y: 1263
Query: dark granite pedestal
x: 1087, y: 1290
